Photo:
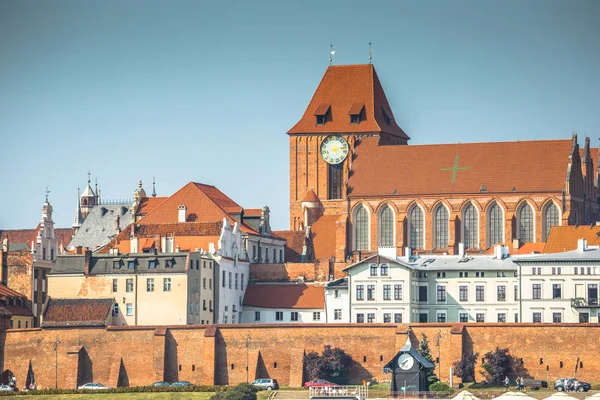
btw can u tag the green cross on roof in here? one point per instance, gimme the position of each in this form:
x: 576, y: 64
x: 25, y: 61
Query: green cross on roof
x: 455, y: 169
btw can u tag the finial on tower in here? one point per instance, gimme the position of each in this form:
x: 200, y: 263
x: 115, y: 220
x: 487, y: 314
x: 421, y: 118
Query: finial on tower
x: 331, y: 53
x: 370, y: 53
x: 153, y: 186
x: 47, y: 193
x: 89, y: 176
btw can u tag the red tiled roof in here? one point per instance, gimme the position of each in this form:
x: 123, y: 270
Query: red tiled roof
x: 252, y: 212
x: 526, y: 248
x: 6, y: 292
x: 76, y: 312
x: 148, y: 204
x: 565, y: 237
x: 344, y: 87
x: 310, y: 196
x: 323, y: 233
x: 299, y: 296
x: 63, y: 236
x: 26, y: 236
x: 189, y: 235
x: 294, y: 245
x: 19, y: 310
x: 526, y: 166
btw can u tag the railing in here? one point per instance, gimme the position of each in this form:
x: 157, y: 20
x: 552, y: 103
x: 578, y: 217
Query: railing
x: 583, y: 303
x: 357, y: 392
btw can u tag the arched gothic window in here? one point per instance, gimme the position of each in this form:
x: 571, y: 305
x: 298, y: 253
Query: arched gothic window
x: 361, y: 230
x: 441, y: 227
x: 471, y: 227
x: 551, y: 216
x: 416, y: 228
x: 495, y: 224
x: 525, y: 223
x: 386, y: 227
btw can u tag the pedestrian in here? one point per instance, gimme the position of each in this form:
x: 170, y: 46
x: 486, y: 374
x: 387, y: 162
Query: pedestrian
x: 522, y: 384
x: 506, y: 382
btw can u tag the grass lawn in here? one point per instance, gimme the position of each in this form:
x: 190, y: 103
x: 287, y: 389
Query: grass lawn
x: 123, y: 396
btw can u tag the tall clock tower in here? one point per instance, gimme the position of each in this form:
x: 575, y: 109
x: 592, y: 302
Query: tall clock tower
x: 348, y: 107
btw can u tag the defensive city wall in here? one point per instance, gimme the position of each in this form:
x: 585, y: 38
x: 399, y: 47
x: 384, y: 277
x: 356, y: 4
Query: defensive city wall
x: 218, y: 354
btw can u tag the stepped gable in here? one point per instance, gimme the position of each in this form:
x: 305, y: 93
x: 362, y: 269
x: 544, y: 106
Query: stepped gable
x: 347, y: 89
x: 492, y: 167
x: 285, y: 295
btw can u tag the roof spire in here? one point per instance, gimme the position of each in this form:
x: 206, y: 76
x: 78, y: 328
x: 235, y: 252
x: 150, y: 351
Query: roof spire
x: 89, y: 177
x: 153, y: 186
x: 48, y: 192
x: 78, y: 218
x: 331, y: 53
x: 370, y: 53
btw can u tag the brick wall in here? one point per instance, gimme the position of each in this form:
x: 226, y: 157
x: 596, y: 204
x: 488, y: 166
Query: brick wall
x: 207, y: 354
x: 315, y: 271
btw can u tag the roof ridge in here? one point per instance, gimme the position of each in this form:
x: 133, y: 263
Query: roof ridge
x: 372, y: 78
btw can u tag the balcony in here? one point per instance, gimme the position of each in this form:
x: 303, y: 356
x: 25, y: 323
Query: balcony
x: 584, y: 303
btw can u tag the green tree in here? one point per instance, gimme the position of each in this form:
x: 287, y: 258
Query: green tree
x: 333, y: 364
x: 425, y: 351
x: 465, y: 368
x: 498, y: 365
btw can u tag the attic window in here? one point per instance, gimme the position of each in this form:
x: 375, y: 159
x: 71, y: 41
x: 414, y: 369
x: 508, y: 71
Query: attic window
x: 321, y: 113
x: 116, y: 264
x: 356, y: 112
x: 386, y: 117
x: 131, y: 264
x: 152, y: 264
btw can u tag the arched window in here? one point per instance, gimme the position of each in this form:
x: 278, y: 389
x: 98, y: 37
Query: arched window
x: 384, y: 270
x: 550, y: 219
x: 386, y: 227
x: 441, y: 227
x: 361, y: 230
x: 471, y: 226
x: 525, y: 223
x: 495, y: 224
x: 416, y: 228
x: 374, y: 269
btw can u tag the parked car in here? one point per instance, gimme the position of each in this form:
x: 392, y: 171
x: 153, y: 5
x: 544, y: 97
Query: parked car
x: 93, y: 386
x: 266, y: 384
x: 5, y: 388
x: 571, y: 384
x: 318, y: 383
x: 181, y: 383
x: 535, y: 384
x: 163, y: 383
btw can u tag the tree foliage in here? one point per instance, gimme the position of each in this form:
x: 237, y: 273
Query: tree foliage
x: 465, y: 368
x: 425, y: 351
x: 333, y: 364
x: 498, y: 364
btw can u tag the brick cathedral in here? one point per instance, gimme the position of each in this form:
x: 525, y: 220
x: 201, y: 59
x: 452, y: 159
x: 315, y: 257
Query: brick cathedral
x: 361, y: 188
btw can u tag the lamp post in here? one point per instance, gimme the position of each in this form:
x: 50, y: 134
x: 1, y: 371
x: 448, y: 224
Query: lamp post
x: 56, y: 343
x: 248, y: 338
x: 438, y: 337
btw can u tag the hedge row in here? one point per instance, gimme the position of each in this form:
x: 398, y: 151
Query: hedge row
x: 135, y: 389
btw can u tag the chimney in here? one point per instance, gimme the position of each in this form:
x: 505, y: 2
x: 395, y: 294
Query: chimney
x: 461, y: 249
x: 88, y: 261
x: 79, y: 250
x: 516, y: 244
x: 133, y: 245
x: 407, y: 253
x: 581, y: 245
x: 181, y: 210
x: 498, y: 251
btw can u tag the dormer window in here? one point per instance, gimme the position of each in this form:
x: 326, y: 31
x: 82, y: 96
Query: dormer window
x: 356, y: 113
x: 321, y: 114
x: 386, y: 117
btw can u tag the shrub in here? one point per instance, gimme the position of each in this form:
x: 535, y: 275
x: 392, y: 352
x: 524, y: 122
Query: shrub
x: 334, y: 364
x: 498, y: 364
x: 465, y: 368
x: 439, y: 387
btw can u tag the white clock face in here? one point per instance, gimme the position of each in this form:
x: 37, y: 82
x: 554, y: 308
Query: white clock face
x: 406, y: 361
x: 334, y: 149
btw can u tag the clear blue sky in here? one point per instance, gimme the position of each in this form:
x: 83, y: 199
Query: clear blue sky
x: 206, y: 91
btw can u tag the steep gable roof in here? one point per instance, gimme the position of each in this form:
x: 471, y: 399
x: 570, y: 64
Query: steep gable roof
x: 148, y: 204
x: 323, y: 232
x: 492, y: 167
x: 294, y: 244
x: 343, y: 90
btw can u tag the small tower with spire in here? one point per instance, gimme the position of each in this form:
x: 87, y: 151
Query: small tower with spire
x: 88, y: 199
x: 78, y: 218
x: 46, y: 246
